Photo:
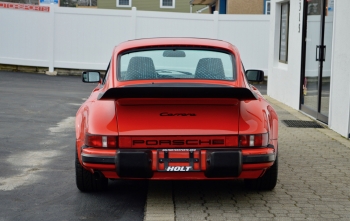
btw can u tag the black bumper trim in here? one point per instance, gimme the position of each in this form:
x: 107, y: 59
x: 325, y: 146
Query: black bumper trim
x: 87, y: 158
x: 134, y: 164
x: 259, y: 158
x: 223, y: 164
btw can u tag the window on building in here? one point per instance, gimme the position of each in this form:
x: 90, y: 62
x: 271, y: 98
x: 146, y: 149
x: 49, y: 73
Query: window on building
x: 267, y: 7
x: 124, y: 3
x: 167, y: 3
x: 284, y: 31
x: 314, y: 7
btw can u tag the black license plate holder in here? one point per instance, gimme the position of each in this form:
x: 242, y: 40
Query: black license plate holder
x: 178, y: 160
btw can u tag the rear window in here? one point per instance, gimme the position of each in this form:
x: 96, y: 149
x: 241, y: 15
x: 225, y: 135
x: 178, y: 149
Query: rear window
x: 177, y: 64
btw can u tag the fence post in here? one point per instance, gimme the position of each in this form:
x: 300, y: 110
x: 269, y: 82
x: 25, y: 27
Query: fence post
x: 51, y: 46
x: 133, y: 24
x: 216, y: 24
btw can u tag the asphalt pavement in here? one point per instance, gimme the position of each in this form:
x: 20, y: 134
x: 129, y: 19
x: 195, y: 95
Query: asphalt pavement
x: 37, y: 180
x: 37, y: 144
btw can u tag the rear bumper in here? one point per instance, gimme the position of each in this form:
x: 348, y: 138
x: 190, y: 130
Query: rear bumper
x: 97, y: 159
x: 202, y: 164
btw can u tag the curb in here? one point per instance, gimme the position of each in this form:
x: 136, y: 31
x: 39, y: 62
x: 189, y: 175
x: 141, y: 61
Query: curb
x: 298, y: 114
x: 44, y: 70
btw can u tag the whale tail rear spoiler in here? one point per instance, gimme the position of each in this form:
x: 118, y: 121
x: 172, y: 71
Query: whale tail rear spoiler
x: 178, y: 92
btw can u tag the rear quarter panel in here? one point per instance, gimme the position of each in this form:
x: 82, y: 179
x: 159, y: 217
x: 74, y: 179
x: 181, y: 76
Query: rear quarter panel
x: 258, y: 116
x: 95, y: 117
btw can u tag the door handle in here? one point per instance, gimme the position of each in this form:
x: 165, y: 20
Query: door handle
x: 324, y: 53
x: 320, y: 52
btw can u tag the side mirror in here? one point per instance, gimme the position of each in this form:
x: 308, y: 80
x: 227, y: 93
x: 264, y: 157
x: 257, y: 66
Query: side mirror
x: 255, y: 75
x: 91, y: 77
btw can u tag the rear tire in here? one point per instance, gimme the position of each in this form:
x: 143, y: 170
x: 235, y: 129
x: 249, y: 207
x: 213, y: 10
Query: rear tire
x: 267, y: 182
x: 86, y: 181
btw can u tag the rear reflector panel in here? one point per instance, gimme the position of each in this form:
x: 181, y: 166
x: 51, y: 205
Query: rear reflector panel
x: 178, y: 141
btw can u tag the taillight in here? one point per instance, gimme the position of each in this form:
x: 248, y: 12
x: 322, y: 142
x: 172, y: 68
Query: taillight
x: 253, y: 140
x: 101, y: 141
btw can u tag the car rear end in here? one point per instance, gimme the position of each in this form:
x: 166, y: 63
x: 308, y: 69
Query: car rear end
x: 179, y: 139
x: 180, y: 113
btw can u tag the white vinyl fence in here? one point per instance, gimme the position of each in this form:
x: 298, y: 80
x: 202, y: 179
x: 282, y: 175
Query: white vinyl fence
x: 80, y: 38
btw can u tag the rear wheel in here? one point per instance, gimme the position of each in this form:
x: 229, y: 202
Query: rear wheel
x: 267, y: 182
x: 86, y: 181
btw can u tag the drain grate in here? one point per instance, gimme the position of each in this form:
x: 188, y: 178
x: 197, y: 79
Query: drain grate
x: 301, y: 124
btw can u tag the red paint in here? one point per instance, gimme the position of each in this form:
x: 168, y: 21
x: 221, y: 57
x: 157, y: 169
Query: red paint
x: 147, y: 119
x: 26, y: 7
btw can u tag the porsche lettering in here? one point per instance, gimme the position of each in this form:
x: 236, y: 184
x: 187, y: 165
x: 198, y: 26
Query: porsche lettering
x: 208, y: 142
x: 179, y: 168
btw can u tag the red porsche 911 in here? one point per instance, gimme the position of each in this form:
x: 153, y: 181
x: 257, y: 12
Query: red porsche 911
x: 176, y: 109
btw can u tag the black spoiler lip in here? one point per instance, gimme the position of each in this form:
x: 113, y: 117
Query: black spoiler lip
x: 178, y: 92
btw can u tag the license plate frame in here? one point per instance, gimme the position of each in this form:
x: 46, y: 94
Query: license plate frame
x: 176, y: 160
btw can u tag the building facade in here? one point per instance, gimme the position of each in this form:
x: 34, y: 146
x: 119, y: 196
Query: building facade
x: 245, y: 7
x: 308, y: 57
x: 191, y: 6
x: 152, y: 5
